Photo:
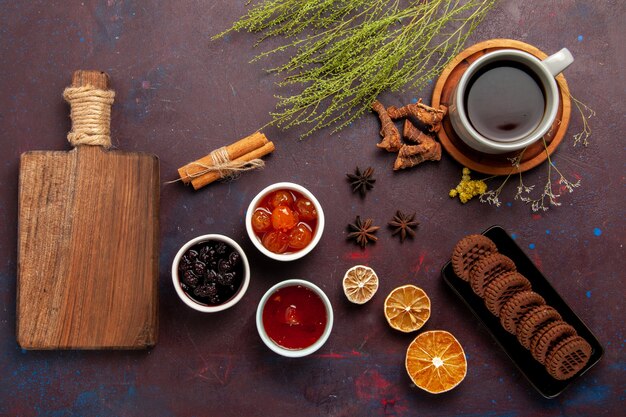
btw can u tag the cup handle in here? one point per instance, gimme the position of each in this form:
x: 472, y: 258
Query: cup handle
x: 556, y: 63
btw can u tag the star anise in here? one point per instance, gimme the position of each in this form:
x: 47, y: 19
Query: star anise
x: 363, y: 231
x: 403, y: 224
x: 362, y: 181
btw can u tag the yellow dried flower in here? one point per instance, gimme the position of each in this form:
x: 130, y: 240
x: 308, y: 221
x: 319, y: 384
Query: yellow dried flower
x: 468, y: 188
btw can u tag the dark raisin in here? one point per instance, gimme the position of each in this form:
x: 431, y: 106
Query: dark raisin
x: 220, y: 248
x: 211, y: 276
x: 234, y: 257
x: 226, y: 279
x: 199, y: 268
x: 190, y: 279
x: 224, y: 266
x: 193, y: 255
x: 206, y: 254
x: 206, y: 291
x: 185, y: 263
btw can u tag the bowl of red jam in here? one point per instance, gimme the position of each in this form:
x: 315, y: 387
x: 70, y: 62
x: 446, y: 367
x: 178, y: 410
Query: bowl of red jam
x: 294, y: 318
x: 211, y: 273
x: 285, y: 221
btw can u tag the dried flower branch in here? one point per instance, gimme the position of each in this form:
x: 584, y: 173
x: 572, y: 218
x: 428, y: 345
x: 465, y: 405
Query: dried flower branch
x: 586, y: 113
x: 493, y: 196
x: 548, y: 196
x: 523, y: 193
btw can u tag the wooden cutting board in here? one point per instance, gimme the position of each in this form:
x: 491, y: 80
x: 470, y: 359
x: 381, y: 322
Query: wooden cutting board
x: 88, y: 246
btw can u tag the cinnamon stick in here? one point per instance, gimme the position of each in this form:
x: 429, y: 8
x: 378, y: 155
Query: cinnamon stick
x: 235, y: 151
x: 212, y: 176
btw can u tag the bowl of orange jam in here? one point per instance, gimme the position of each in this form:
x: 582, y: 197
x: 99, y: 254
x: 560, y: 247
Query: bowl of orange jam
x: 285, y: 221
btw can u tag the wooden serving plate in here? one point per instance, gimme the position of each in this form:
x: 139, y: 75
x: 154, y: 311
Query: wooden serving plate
x: 88, y: 246
x: 500, y: 164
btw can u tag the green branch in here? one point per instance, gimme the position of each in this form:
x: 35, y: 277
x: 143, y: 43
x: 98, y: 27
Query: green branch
x: 343, y: 53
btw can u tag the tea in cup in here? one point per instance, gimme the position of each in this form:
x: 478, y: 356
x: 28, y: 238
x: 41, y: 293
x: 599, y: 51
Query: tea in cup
x: 507, y: 99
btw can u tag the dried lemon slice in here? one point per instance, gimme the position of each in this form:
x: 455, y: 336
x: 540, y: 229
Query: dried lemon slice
x: 360, y: 284
x: 407, y: 308
x: 435, y: 361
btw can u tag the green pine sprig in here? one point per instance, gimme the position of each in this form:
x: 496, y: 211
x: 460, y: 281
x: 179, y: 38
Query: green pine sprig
x: 343, y: 53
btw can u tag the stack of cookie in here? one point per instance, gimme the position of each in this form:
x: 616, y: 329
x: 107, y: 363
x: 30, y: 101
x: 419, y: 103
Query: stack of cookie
x: 522, y: 312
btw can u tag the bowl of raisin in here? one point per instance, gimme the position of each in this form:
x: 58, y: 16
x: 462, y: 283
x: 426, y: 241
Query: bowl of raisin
x: 285, y: 221
x: 211, y: 273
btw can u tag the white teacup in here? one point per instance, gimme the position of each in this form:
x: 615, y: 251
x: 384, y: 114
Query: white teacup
x: 496, y: 106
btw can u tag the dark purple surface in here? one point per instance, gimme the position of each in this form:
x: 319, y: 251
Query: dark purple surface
x: 180, y: 96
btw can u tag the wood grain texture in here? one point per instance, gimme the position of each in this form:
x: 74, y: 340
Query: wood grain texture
x: 95, y: 78
x: 87, y: 249
x: 499, y: 164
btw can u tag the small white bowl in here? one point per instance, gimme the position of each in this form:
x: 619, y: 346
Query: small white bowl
x: 242, y: 288
x: 294, y: 353
x: 317, y: 234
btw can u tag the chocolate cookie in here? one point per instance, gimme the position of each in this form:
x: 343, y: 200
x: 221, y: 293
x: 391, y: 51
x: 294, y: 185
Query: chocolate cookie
x: 488, y: 268
x: 536, y: 318
x: 518, y: 305
x: 470, y: 249
x: 502, y: 288
x: 568, y: 357
x: 548, y: 337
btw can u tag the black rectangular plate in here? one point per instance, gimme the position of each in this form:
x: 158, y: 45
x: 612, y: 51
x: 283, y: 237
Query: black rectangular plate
x: 530, y: 368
